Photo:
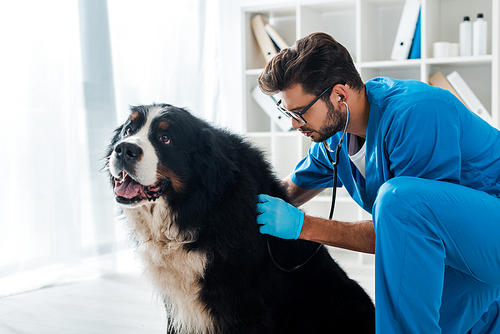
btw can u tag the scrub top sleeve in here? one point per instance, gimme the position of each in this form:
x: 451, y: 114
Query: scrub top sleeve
x: 425, y: 142
x: 314, y: 171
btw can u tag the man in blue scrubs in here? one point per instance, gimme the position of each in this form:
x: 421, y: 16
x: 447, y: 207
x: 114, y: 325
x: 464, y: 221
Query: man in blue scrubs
x: 424, y: 166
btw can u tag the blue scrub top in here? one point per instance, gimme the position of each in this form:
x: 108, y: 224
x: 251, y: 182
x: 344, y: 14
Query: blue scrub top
x: 413, y: 130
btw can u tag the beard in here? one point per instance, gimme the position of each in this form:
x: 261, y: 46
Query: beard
x: 335, y: 121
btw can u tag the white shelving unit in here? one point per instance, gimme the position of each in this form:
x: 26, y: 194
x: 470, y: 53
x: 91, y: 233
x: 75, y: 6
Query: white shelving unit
x: 367, y: 28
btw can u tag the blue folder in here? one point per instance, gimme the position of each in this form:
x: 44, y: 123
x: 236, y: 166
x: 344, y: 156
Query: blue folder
x: 416, y: 44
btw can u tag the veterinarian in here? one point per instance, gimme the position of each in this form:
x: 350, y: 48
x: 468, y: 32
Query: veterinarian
x: 424, y: 166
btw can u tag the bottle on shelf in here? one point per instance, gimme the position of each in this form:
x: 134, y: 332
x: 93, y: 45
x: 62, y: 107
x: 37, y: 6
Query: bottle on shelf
x: 479, y: 36
x: 466, y: 37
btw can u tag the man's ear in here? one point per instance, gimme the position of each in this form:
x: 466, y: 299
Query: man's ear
x: 341, y: 92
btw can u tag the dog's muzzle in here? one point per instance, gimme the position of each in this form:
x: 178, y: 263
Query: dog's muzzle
x: 127, y: 189
x: 127, y: 155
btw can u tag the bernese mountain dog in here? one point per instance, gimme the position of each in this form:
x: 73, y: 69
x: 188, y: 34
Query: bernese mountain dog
x: 189, y: 191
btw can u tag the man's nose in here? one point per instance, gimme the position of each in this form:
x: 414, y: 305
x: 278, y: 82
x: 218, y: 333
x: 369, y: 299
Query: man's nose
x: 296, y: 124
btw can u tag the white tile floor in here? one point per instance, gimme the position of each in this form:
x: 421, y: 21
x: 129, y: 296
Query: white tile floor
x: 122, y: 303
x: 112, y: 304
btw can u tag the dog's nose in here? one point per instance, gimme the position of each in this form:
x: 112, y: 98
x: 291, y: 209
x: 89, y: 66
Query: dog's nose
x: 128, y: 152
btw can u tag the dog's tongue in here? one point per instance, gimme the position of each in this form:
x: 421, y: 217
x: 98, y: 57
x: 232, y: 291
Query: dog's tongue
x: 128, y: 188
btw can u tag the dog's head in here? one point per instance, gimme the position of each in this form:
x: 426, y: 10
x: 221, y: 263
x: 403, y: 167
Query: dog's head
x: 151, y: 154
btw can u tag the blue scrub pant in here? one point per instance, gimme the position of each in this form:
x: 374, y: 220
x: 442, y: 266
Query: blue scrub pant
x: 437, y: 258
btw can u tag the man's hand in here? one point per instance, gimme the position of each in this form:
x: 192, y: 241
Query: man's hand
x: 278, y: 218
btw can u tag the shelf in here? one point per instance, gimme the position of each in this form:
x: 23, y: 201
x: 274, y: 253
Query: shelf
x: 272, y: 10
x: 473, y: 60
x: 329, y: 6
x: 385, y: 2
x: 391, y: 63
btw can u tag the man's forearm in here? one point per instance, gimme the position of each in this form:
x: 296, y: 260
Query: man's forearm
x: 356, y: 236
x: 298, y: 195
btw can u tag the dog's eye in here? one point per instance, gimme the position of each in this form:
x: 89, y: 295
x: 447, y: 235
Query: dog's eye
x: 165, y: 139
x: 128, y: 131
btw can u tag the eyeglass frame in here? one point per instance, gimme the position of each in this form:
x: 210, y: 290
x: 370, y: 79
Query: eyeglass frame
x: 298, y: 115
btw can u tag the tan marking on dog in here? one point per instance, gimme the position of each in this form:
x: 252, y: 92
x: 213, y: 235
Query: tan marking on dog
x: 176, y: 273
x: 163, y: 125
x: 134, y: 117
x: 176, y: 181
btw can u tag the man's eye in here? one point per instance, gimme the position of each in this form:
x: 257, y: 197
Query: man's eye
x: 165, y: 139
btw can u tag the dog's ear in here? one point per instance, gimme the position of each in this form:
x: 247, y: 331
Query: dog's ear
x: 214, y: 161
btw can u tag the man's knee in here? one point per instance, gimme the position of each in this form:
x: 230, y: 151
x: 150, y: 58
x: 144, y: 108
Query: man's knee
x: 392, y: 193
x: 396, y: 198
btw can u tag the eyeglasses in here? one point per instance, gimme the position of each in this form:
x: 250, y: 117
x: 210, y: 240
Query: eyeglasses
x: 298, y: 115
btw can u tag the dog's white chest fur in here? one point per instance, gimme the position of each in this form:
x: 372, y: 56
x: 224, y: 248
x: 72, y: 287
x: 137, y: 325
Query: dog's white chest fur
x: 174, y: 271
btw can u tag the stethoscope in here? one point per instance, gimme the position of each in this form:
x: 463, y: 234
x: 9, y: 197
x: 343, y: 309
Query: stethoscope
x: 336, y: 162
x: 334, y: 190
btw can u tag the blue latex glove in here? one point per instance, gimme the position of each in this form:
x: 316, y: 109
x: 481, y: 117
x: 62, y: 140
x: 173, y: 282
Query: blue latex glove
x: 278, y: 218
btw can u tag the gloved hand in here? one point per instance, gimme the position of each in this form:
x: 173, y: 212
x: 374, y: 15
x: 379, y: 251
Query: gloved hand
x: 278, y: 218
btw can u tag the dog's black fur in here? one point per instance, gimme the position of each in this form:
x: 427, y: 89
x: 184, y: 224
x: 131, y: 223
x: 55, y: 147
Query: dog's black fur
x: 211, y: 188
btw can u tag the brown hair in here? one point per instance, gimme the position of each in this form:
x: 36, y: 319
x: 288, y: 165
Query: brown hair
x: 315, y: 61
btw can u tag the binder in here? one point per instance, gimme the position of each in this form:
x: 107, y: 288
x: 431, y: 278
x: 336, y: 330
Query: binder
x: 265, y: 43
x: 268, y: 104
x: 415, y: 49
x: 470, y: 99
x: 279, y: 42
x: 406, y: 30
x: 439, y: 80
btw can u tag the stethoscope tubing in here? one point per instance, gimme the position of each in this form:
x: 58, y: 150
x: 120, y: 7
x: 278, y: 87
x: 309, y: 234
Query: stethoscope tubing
x: 334, y: 193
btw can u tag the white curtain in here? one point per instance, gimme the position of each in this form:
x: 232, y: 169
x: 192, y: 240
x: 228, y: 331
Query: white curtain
x: 166, y: 52
x: 69, y: 69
